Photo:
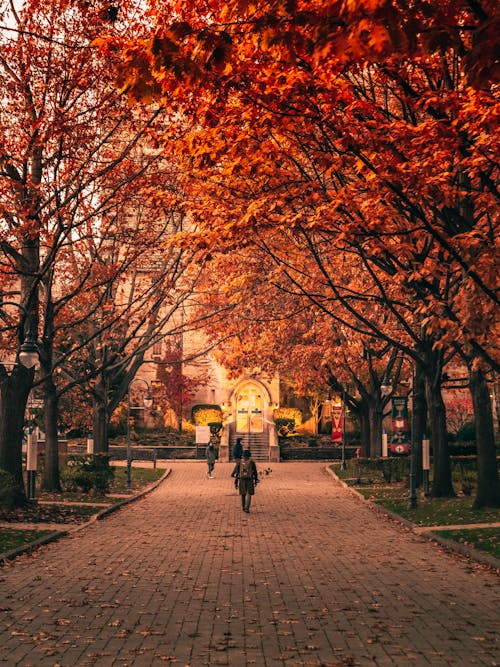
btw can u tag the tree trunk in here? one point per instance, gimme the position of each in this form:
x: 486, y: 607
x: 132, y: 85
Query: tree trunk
x: 419, y: 420
x: 376, y: 416
x: 14, y: 391
x: 363, y: 418
x: 51, y: 480
x: 100, y: 425
x: 496, y: 397
x: 488, y: 489
x: 442, y: 486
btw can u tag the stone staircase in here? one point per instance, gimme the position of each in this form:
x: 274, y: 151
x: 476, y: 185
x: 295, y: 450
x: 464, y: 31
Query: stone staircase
x: 258, y: 444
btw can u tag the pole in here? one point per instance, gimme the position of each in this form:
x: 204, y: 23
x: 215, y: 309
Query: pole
x: 129, y: 453
x: 90, y: 442
x: 343, y: 463
x: 412, y: 499
x: 147, y: 404
x: 250, y: 405
x: 425, y: 463
x: 31, y: 462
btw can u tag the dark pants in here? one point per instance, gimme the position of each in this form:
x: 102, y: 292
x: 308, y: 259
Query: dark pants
x: 247, y: 489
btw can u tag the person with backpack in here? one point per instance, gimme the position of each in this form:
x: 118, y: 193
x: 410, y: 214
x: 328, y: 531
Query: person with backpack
x: 247, y: 478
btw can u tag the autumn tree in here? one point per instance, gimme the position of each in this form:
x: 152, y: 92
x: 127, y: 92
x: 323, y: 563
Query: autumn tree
x: 368, y: 123
x: 71, y: 171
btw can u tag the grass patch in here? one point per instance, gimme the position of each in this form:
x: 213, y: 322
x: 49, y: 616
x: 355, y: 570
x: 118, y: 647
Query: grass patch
x: 64, y: 508
x: 484, y: 539
x: 457, y: 511
x: 429, y: 511
x: 438, y: 511
x: 11, y: 538
x: 141, y: 477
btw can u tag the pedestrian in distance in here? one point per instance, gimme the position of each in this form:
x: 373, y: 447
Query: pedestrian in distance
x: 237, y: 454
x: 211, y: 455
x: 247, y: 478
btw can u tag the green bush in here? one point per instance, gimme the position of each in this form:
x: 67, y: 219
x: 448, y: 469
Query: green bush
x: 88, y: 472
x: 284, y: 426
x: 390, y: 469
x: 10, y: 493
x: 462, y: 449
x: 467, y: 433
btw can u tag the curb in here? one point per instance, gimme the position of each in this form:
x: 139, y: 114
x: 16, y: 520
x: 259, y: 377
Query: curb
x: 58, y: 534
x: 31, y: 546
x: 450, y: 545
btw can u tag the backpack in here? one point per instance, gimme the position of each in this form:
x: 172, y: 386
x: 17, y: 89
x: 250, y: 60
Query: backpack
x: 245, y: 469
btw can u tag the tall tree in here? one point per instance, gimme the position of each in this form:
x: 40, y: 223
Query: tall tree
x: 70, y: 154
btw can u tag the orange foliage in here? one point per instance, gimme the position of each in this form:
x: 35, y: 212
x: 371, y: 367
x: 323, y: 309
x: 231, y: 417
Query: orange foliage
x: 361, y: 128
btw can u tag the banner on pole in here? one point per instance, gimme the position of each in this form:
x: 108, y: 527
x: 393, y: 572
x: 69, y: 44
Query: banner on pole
x: 32, y: 450
x: 401, y: 435
x: 337, y: 421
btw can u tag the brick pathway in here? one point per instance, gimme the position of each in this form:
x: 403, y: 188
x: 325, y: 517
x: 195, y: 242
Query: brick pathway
x: 311, y: 577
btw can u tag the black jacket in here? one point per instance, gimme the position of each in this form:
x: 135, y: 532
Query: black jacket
x: 238, y: 451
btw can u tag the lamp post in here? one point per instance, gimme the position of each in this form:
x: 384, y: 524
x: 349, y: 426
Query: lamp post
x: 28, y: 355
x: 343, y: 464
x: 147, y: 403
x: 385, y: 390
x: 28, y: 350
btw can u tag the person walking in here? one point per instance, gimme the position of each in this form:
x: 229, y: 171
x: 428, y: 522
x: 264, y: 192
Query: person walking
x: 211, y: 455
x: 247, y: 478
x: 237, y: 454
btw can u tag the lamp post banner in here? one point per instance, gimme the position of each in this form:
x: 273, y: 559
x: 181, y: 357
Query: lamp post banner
x: 401, y: 433
x: 32, y: 450
x: 337, y: 422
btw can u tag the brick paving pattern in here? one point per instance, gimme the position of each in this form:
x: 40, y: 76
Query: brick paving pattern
x: 311, y: 577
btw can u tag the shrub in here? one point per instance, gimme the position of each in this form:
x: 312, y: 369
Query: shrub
x: 288, y: 413
x: 88, y: 472
x: 188, y: 427
x: 462, y: 449
x: 392, y: 469
x: 287, y: 420
x: 284, y: 426
x: 467, y: 433
x: 10, y: 493
x: 215, y: 428
x: 203, y: 415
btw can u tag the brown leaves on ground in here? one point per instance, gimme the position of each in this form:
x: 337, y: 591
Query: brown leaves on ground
x: 35, y: 513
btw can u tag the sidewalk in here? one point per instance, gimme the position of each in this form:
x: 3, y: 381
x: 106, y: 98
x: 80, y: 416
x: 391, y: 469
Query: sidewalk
x: 311, y: 577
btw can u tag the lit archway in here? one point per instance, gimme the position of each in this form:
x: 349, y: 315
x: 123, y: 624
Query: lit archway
x: 251, y: 400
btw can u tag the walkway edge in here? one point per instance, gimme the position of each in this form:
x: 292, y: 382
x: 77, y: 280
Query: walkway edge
x: 58, y: 534
x: 31, y: 546
x: 451, y: 545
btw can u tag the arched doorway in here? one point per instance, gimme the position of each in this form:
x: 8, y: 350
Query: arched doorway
x: 250, y: 409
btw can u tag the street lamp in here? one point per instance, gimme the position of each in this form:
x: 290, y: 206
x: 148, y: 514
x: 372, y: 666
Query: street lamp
x: 147, y: 403
x: 28, y: 356
x: 28, y: 351
x: 385, y: 390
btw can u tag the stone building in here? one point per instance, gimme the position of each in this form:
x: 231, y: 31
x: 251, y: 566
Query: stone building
x: 247, y: 402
